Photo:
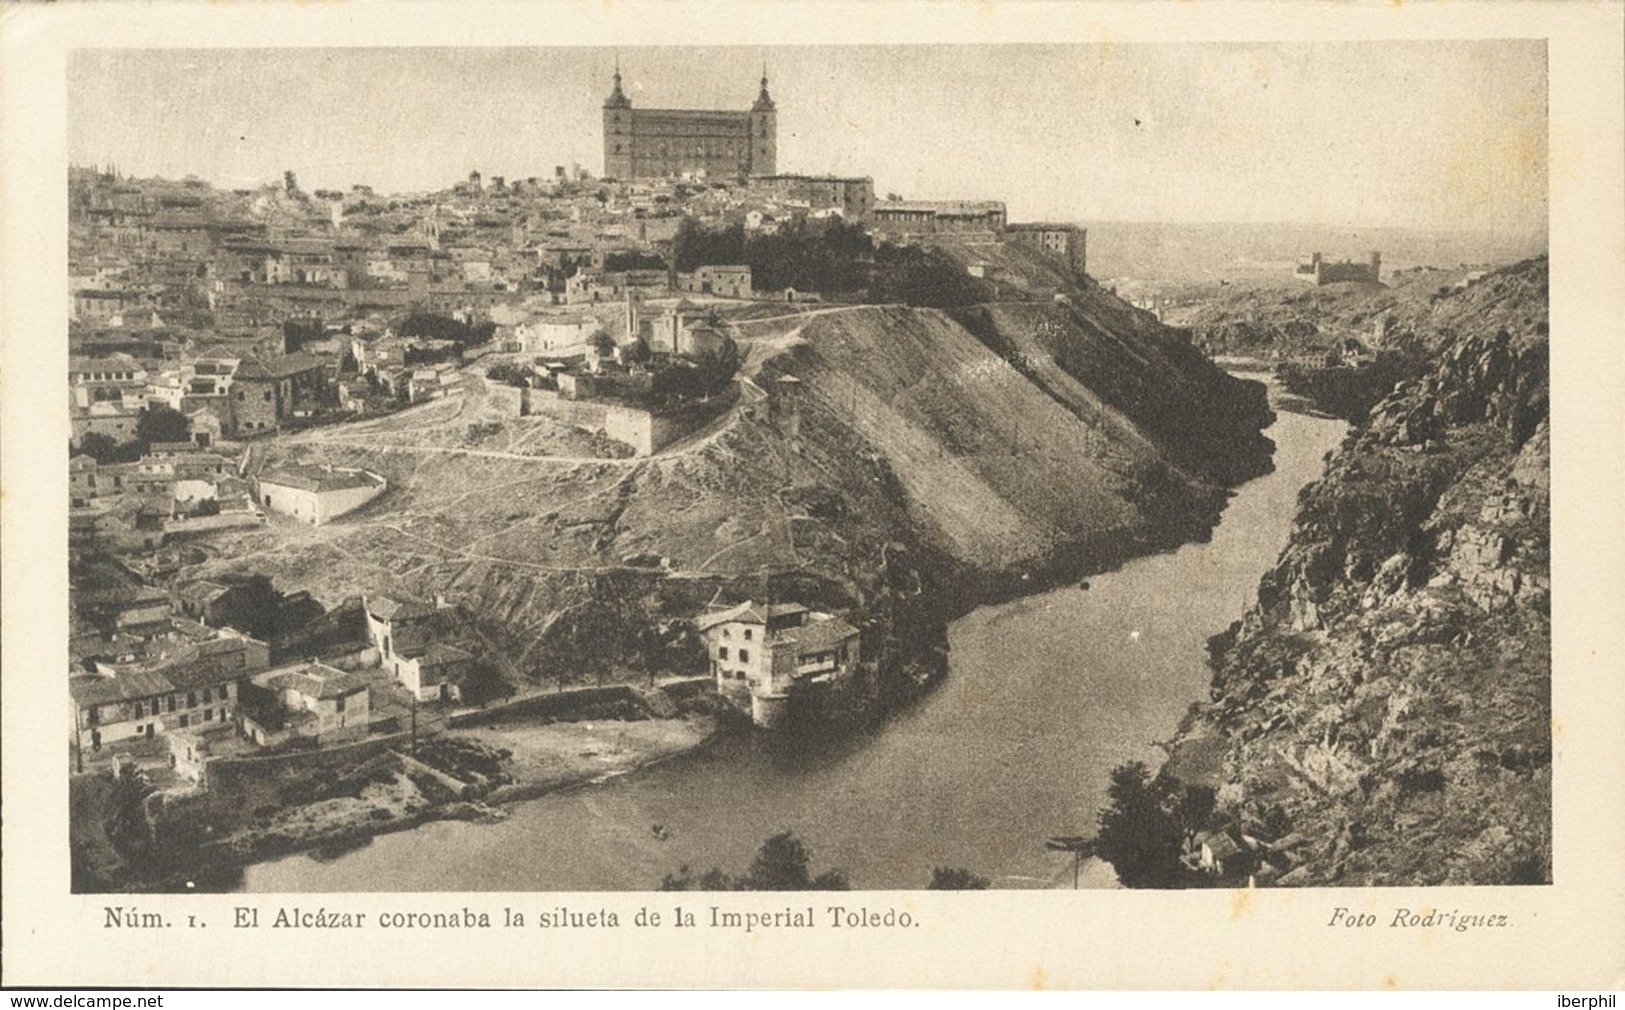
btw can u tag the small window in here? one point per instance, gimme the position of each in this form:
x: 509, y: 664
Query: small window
x: 191, y: 699
x: 339, y: 705
x: 747, y: 634
x: 208, y: 715
x: 744, y: 655
x: 725, y: 632
x: 208, y: 695
x: 722, y: 652
x: 171, y: 703
x: 139, y: 711
x: 186, y: 721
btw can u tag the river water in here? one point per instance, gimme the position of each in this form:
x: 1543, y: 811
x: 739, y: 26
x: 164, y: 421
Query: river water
x: 1045, y: 695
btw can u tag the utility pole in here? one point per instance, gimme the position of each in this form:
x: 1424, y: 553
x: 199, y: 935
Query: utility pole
x: 1075, y: 844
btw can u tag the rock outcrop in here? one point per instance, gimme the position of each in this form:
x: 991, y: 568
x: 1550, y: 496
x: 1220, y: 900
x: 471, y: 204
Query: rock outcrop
x: 1386, y: 702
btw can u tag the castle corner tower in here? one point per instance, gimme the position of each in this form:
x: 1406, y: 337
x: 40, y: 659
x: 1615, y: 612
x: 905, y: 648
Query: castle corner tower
x: 617, y: 131
x: 764, y: 132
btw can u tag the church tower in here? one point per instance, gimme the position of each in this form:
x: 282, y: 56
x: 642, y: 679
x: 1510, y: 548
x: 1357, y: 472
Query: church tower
x: 764, y: 132
x: 618, y: 131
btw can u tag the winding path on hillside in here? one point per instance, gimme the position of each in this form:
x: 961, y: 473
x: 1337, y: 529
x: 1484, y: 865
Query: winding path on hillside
x: 758, y: 352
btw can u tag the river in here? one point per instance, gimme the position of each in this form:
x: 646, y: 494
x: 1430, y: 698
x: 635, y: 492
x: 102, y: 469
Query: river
x: 1045, y: 695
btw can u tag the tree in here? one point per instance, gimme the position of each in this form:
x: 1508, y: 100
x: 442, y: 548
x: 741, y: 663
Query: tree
x: 1194, y: 809
x: 830, y: 880
x: 103, y: 449
x: 633, y: 259
x: 253, y: 606
x: 510, y: 372
x: 781, y: 864
x: 295, y: 333
x: 163, y: 424
x: 127, y: 824
x: 685, y: 880
x: 923, y: 277
x: 1138, y: 835
x: 438, y: 327
x: 948, y: 879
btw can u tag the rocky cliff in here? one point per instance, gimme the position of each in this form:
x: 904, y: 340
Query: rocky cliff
x: 1382, y: 713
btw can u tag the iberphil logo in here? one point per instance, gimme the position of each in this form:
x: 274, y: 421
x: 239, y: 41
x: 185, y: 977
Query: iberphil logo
x: 1587, y: 1002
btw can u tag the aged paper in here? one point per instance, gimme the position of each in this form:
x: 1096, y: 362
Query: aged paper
x: 550, y: 813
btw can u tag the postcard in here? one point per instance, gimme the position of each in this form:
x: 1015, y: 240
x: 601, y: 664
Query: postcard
x: 764, y: 495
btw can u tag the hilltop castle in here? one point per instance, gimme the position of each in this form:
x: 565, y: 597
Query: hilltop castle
x: 651, y: 143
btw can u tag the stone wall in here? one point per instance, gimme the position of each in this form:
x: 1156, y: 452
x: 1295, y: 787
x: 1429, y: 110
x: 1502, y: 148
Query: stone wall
x: 647, y: 432
x: 561, y: 705
x: 227, y: 774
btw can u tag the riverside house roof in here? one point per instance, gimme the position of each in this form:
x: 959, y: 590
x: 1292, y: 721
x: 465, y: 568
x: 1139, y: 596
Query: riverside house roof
x: 749, y: 612
x: 817, y: 636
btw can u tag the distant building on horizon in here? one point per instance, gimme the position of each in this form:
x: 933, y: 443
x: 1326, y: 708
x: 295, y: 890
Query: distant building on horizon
x: 657, y: 143
x: 1320, y: 271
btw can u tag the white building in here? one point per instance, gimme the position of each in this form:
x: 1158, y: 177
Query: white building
x: 556, y: 334
x: 410, y: 641
x: 767, y: 652
x: 317, y: 494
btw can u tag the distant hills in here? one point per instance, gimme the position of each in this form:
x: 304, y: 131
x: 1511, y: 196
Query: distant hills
x: 1165, y: 252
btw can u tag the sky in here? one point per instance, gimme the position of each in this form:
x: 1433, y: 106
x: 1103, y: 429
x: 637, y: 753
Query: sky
x: 1436, y: 134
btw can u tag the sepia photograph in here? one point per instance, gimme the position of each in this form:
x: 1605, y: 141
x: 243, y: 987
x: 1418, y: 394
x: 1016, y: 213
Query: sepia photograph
x: 809, y: 467
x: 556, y: 477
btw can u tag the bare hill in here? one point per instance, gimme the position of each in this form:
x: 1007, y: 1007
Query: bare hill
x: 912, y: 453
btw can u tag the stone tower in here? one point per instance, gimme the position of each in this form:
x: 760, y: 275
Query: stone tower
x: 764, y: 132
x: 617, y: 131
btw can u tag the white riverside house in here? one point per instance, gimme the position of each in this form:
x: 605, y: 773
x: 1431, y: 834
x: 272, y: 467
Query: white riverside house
x: 762, y: 654
x: 411, y: 641
x: 316, y: 494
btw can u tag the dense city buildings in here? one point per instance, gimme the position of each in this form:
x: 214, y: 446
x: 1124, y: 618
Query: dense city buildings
x: 222, y: 339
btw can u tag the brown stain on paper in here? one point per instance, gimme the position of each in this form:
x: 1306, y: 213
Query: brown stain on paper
x: 1241, y: 904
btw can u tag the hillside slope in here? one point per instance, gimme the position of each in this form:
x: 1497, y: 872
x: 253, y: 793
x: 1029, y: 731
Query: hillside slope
x: 1386, y: 703
x: 912, y: 471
